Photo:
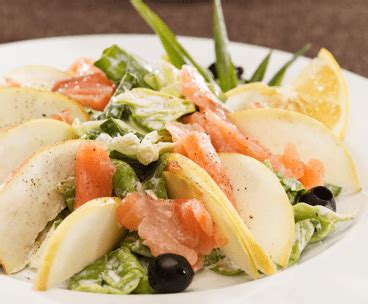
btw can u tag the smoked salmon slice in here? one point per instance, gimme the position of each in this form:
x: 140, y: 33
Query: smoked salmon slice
x: 195, y: 89
x: 93, y: 173
x: 181, y: 226
x: 65, y: 116
x: 197, y: 146
x: 92, y: 90
x: 83, y: 66
x: 226, y: 137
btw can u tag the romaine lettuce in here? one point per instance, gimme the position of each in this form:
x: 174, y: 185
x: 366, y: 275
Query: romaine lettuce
x: 154, y: 179
x: 119, y: 272
x: 154, y: 109
x: 313, y: 224
x: 135, y: 244
x: 145, y: 151
x: 124, y: 69
x: 124, y: 180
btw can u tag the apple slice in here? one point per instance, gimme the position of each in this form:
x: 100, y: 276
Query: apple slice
x: 21, y: 104
x: 185, y: 179
x: 29, y: 200
x: 262, y: 204
x: 20, y: 142
x: 83, y: 237
x: 275, y: 128
x: 36, y: 76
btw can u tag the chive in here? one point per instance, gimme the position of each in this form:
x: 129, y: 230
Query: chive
x: 277, y: 79
x: 259, y: 73
x: 226, y: 72
x: 177, y: 54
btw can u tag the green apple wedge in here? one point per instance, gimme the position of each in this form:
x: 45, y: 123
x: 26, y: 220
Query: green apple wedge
x: 74, y: 245
x: 21, y: 104
x: 20, y: 142
x: 36, y: 76
x: 263, y: 205
x: 29, y: 200
x: 185, y: 179
x: 275, y: 128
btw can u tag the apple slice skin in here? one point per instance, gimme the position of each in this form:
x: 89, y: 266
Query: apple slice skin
x: 185, y: 179
x: 275, y: 128
x: 21, y: 104
x: 82, y: 238
x: 29, y: 200
x: 20, y: 142
x: 262, y: 204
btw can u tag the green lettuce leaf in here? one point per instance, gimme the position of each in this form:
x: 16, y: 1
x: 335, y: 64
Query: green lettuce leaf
x: 124, y: 69
x: 325, y: 216
x: 130, y: 147
x: 124, y: 180
x: 111, y: 126
x: 219, y: 263
x: 304, y: 231
x: 119, y: 272
x: 135, y: 244
x: 154, y: 109
x: 313, y: 224
x: 293, y: 188
x: 67, y: 189
x: 154, y: 179
x: 164, y: 77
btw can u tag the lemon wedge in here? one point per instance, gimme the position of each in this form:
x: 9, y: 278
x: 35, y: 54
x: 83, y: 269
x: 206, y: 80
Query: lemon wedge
x: 318, y: 91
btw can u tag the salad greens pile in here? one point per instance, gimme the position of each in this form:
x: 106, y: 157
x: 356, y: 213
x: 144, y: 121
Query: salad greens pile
x: 132, y: 128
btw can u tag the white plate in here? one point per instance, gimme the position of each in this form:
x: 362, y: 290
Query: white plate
x: 333, y: 272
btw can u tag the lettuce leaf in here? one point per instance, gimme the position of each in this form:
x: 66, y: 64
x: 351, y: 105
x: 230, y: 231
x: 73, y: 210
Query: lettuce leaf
x: 146, y: 150
x: 313, y: 224
x: 124, y: 180
x: 164, y: 77
x: 326, y: 217
x: 124, y: 69
x: 113, y: 127
x: 217, y: 262
x: 304, y: 231
x: 135, y: 244
x: 154, y: 179
x: 67, y: 189
x: 151, y: 109
x: 119, y: 272
x: 293, y: 188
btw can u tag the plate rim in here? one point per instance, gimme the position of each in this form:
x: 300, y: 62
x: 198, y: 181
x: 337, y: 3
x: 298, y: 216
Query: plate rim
x: 187, y: 38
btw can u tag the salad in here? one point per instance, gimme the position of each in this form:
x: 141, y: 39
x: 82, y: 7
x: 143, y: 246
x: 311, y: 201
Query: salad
x: 127, y: 176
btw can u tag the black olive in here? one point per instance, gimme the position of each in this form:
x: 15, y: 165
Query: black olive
x: 239, y: 71
x: 319, y: 196
x: 170, y: 273
x: 212, y: 69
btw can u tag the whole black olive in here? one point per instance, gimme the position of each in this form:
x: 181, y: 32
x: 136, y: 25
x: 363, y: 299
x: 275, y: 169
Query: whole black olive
x: 319, y: 196
x: 170, y: 273
x: 212, y: 69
